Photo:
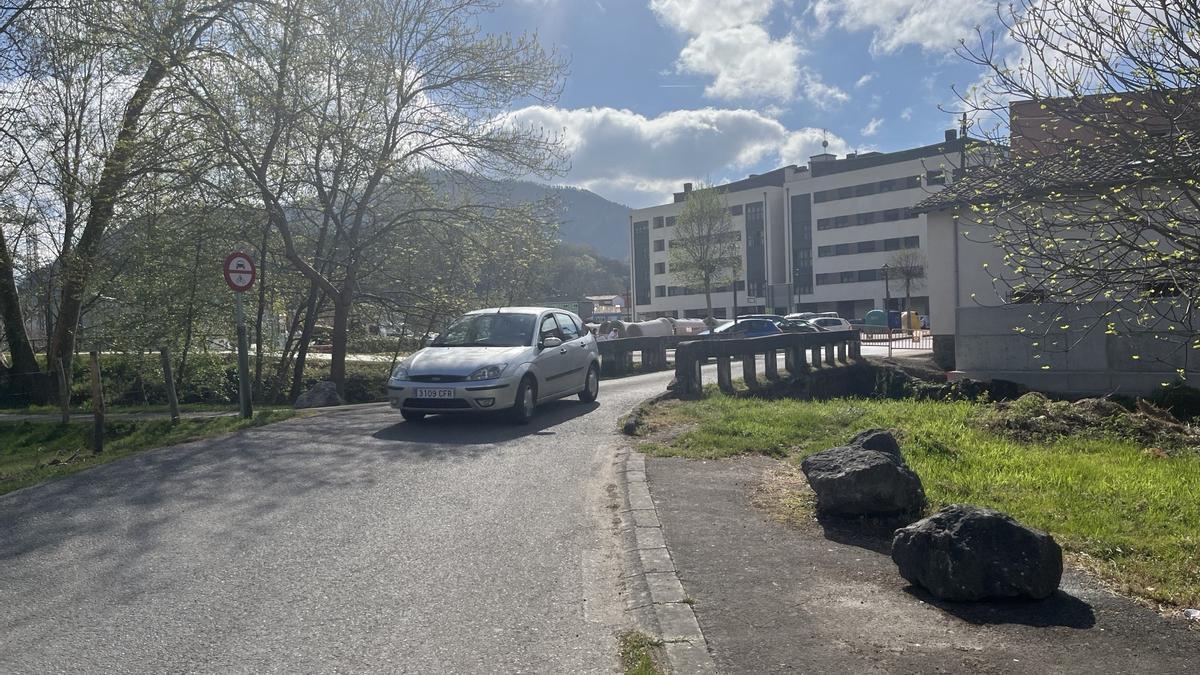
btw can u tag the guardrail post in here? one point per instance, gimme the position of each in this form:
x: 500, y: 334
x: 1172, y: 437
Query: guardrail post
x: 771, y: 369
x: 841, y: 352
x: 724, y: 376
x: 748, y: 370
x: 829, y: 358
x: 816, y: 356
x: 856, y: 348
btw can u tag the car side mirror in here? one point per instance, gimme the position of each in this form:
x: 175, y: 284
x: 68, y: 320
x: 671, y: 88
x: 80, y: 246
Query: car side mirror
x: 550, y: 342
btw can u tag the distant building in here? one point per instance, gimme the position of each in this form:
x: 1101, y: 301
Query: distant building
x: 814, y: 238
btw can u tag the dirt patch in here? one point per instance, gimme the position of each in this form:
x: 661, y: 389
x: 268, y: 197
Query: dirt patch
x: 784, y: 495
x: 1034, y: 417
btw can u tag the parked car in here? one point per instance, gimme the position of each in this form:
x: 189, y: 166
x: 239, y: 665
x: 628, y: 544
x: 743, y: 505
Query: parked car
x: 831, y: 323
x: 744, y: 328
x: 507, y: 358
x: 789, y: 326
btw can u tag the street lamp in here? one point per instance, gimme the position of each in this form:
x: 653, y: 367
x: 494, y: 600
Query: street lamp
x: 887, y: 312
x: 887, y: 290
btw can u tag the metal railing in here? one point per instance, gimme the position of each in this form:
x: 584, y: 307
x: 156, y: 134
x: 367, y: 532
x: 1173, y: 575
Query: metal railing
x: 802, y: 352
x: 616, y: 356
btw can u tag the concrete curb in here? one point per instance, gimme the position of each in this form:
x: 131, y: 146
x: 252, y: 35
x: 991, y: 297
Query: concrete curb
x: 655, y: 597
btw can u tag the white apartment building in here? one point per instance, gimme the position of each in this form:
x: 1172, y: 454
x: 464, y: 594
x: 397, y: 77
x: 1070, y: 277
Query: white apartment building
x: 814, y: 238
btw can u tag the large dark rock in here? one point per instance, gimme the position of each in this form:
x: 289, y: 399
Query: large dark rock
x: 970, y: 553
x: 321, y: 395
x: 881, y: 440
x: 855, y: 481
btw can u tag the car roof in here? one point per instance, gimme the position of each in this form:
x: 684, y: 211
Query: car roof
x: 520, y: 310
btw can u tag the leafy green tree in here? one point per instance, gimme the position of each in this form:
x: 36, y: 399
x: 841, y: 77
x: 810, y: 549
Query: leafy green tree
x: 705, y: 252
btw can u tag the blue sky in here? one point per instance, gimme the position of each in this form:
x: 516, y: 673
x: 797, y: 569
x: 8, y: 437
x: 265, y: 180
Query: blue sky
x: 664, y: 91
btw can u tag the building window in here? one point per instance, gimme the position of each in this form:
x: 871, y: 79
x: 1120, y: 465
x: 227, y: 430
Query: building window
x: 659, y: 245
x: 849, y: 276
x: 937, y: 177
x: 912, y: 242
x: 670, y: 221
x: 658, y: 222
x: 891, y: 244
x: 660, y: 291
x: 866, y: 246
x: 868, y: 218
x: 735, y: 210
x: 641, y: 262
x: 865, y: 189
x: 660, y: 268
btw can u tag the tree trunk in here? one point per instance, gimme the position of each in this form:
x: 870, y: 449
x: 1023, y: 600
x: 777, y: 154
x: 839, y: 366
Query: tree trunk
x: 113, y: 179
x: 262, y: 306
x: 342, y: 307
x: 310, y: 322
x: 25, y: 374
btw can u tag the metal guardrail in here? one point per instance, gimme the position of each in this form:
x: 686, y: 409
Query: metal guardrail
x: 616, y: 356
x: 802, y: 352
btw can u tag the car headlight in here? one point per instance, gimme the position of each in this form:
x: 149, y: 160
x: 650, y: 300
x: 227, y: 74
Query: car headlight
x: 401, y: 371
x: 487, y: 372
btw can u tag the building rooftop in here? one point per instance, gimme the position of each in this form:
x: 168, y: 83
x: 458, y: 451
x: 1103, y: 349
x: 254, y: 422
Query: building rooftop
x: 1066, y: 174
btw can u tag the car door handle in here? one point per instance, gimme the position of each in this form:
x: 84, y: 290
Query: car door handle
x: 563, y: 350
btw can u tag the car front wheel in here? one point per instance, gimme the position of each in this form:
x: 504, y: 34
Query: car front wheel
x: 526, y: 400
x: 591, y: 385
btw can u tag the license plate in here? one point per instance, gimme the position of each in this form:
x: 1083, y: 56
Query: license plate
x: 435, y: 393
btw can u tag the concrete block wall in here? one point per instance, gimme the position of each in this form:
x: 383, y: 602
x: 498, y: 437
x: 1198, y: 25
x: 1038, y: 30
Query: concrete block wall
x: 1067, y: 350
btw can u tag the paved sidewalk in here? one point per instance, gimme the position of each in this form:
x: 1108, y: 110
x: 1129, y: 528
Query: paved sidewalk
x: 774, y: 598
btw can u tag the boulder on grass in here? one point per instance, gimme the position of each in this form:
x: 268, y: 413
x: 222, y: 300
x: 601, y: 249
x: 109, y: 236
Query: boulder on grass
x: 877, y: 439
x: 970, y: 553
x: 853, y: 481
x: 321, y: 395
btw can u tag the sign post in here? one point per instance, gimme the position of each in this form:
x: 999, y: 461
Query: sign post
x: 240, y: 275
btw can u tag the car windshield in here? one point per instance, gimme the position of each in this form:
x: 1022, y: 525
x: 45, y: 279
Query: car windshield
x: 489, y: 330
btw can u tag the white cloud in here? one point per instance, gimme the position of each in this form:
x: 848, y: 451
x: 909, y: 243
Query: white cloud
x: 744, y: 62
x: 932, y: 25
x: 804, y: 143
x: 640, y: 160
x: 906, y: 114
x: 700, y: 16
x: 864, y: 80
x: 872, y: 127
x: 729, y: 41
x: 821, y: 94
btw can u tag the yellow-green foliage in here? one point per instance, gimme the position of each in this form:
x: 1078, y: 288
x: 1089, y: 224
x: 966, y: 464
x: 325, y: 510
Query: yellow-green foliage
x: 1130, y: 510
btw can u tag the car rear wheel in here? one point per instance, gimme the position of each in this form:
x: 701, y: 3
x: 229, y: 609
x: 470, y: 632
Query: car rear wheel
x: 591, y: 385
x: 412, y: 415
x: 526, y: 401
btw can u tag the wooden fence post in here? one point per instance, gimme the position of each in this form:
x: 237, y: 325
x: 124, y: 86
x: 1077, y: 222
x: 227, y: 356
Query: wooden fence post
x: 64, y: 392
x: 169, y: 381
x: 97, y: 406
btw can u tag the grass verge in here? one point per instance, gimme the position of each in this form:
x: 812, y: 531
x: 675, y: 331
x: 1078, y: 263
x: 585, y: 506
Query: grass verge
x: 637, y: 653
x: 1124, y: 511
x: 33, y: 452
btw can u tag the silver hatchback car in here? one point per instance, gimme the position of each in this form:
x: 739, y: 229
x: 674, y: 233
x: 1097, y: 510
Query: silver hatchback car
x: 506, y: 358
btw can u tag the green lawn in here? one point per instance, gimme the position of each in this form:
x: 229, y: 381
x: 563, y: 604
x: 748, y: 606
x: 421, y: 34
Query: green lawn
x: 32, y: 452
x: 1130, y: 515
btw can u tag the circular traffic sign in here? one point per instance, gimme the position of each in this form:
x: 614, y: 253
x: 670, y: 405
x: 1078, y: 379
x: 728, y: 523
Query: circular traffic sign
x: 239, y: 271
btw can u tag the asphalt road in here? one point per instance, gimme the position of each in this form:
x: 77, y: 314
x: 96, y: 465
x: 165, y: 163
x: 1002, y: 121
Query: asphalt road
x: 350, y: 541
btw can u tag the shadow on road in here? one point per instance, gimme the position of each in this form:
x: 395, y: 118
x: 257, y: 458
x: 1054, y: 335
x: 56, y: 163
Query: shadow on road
x: 451, y: 430
x: 1060, y: 609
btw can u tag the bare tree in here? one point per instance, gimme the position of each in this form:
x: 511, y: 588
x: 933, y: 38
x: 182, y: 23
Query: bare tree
x: 333, y: 109
x: 1097, y: 204
x: 706, y: 252
x: 906, y: 270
